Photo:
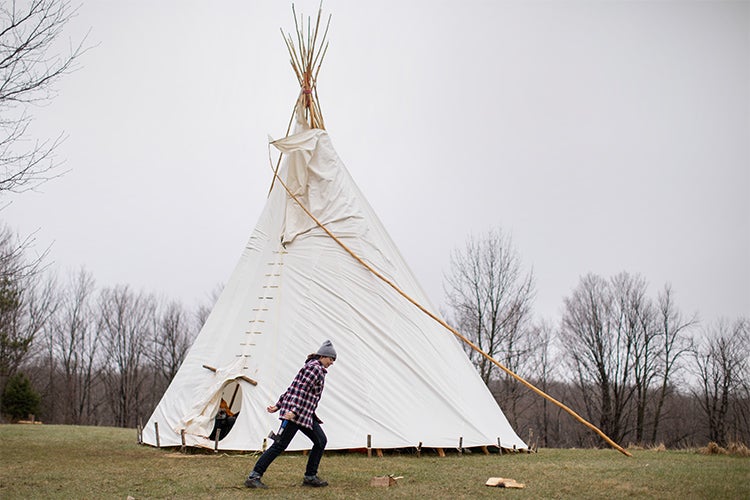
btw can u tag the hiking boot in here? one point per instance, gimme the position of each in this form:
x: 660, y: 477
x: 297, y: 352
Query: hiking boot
x: 314, y: 481
x: 254, y: 482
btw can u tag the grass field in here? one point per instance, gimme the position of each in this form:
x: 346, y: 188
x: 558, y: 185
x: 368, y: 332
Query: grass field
x: 39, y: 461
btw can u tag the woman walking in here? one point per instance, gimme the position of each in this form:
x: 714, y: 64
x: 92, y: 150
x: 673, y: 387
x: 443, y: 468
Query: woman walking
x: 297, y: 411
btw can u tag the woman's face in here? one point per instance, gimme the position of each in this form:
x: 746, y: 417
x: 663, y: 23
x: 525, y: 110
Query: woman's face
x: 326, y: 361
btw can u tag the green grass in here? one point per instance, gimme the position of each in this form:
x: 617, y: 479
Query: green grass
x: 40, y: 461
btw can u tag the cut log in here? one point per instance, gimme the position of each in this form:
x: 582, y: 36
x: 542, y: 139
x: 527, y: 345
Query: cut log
x: 384, y: 480
x: 501, y: 482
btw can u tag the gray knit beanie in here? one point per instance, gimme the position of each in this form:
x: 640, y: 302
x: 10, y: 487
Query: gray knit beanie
x: 327, y: 350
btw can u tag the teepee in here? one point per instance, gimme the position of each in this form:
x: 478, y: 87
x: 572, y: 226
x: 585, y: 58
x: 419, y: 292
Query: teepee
x: 320, y: 265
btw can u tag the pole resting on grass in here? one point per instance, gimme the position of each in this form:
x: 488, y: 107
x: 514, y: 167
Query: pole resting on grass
x: 307, y: 58
x: 447, y: 326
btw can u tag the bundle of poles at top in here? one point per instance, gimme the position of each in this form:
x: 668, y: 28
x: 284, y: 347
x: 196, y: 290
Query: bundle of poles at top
x: 306, y: 59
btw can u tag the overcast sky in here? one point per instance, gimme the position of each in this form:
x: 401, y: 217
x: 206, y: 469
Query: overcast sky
x: 603, y: 136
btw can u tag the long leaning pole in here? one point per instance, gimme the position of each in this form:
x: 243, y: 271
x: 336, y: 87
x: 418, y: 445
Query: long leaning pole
x: 304, y: 64
x: 450, y: 328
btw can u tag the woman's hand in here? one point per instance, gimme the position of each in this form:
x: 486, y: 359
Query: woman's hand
x: 272, y: 409
x: 289, y: 415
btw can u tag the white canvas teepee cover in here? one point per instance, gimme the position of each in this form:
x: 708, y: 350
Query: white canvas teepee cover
x: 399, y: 377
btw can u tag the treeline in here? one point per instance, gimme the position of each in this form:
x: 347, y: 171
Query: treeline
x: 629, y: 363
x: 75, y: 353
x: 95, y: 356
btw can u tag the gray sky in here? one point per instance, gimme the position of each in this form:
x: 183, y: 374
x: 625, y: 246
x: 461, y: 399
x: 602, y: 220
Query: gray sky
x: 603, y: 136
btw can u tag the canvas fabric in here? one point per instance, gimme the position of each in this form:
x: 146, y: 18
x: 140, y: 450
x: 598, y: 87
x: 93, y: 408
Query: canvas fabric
x: 401, y: 377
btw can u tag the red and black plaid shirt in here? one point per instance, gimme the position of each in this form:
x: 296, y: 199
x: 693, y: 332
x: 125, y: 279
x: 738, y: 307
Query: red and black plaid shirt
x: 303, y: 395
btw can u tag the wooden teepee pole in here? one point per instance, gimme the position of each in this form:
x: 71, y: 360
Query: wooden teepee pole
x: 306, y: 58
x: 306, y: 63
x: 452, y: 330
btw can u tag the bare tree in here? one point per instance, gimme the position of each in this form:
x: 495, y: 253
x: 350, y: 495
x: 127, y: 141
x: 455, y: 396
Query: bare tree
x: 174, y: 331
x: 26, y: 302
x: 491, y: 299
x: 721, y: 367
x: 126, y: 322
x: 741, y: 424
x: 545, y: 376
x: 31, y: 63
x: 637, y: 333
x: 174, y: 334
x: 74, y: 346
x: 204, y: 309
x: 606, y: 331
x: 672, y: 330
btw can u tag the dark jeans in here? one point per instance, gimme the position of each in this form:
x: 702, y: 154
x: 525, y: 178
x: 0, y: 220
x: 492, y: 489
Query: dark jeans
x: 316, y: 435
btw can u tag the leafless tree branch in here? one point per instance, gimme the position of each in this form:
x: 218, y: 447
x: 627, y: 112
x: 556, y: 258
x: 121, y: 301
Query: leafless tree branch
x: 31, y: 63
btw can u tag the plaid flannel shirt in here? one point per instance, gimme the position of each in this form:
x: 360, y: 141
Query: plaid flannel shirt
x: 303, y: 395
